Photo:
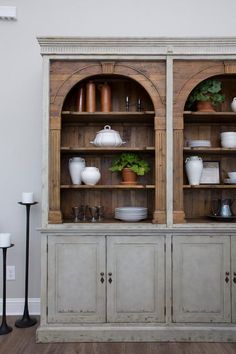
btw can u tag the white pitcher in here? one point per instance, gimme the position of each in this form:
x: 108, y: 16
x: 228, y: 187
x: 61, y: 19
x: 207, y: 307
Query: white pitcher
x: 76, y: 165
x: 233, y: 104
x: 90, y: 175
x: 194, y: 167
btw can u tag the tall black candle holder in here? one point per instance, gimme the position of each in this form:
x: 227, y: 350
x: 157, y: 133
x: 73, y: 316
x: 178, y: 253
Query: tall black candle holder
x: 4, y: 328
x: 26, y: 320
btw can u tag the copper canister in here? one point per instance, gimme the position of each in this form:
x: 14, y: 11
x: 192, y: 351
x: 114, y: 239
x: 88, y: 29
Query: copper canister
x: 90, y: 97
x: 80, y: 100
x: 105, y: 92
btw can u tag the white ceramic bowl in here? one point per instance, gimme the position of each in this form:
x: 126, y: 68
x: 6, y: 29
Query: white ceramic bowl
x: 230, y: 180
x: 228, y: 143
x: 228, y: 135
x: 199, y: 143
x: 232, y: 175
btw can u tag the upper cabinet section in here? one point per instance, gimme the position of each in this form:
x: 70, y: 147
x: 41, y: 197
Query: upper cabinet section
x: 205, y: 141
x: 100, y: 111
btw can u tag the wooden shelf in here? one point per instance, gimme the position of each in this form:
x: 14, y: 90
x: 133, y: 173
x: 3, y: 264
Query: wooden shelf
x: 100, y: 186
x: 210, y: 150
x: 99, y: 117
x: 102, y: 150
x: 207, y: 220
x: 108, y: 221
x: 210, y: 186
x: 210, y: 117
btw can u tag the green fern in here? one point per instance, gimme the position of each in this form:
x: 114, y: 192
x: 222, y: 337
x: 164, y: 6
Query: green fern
x: 133, y: 161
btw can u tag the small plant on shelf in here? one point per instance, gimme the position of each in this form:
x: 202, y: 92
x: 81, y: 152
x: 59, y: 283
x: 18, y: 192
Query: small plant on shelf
x: 206, y: 95
x: 131, y: 166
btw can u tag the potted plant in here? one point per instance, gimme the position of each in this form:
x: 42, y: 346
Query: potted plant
x: 131, y: 166
x: 206, y: 95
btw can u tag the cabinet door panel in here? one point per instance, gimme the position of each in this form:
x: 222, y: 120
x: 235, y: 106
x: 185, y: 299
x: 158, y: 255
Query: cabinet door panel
x: 233, y: 272
x: 200, y: 293
x: 136, y: 293
x: 75, y: 292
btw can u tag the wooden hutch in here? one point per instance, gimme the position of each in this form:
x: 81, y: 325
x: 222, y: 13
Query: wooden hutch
x: 171, y: 277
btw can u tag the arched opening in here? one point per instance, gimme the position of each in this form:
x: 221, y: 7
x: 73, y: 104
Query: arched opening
x: 126, y: 94
x: 203, y: 140
x: 131, y: 114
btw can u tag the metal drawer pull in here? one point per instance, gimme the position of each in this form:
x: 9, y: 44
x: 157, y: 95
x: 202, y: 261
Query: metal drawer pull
x: 110, y: 277
x: 102, y: 277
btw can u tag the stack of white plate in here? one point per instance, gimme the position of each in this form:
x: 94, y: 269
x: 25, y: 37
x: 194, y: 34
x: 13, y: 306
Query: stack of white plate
x: 199, y: 143
x: 131, y: 213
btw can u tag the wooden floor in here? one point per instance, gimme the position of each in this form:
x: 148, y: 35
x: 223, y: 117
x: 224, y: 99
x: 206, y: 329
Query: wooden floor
x: 22, y: 341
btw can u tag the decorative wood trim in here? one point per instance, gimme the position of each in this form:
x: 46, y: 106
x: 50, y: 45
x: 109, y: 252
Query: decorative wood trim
x: 54, y: 217
x: 126, y: 46
x: 159, y: 217
x: 230, y: 67
x: 108, y: 67
x: 178, y: 217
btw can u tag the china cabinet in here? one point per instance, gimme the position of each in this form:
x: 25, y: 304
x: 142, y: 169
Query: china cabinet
x: 172, y: 276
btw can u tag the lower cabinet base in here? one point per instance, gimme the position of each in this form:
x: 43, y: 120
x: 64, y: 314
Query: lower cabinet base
x: 123, y: 333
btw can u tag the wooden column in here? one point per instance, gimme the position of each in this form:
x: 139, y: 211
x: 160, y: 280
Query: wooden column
x: 54, y: 216
x: 159, y: 215
x: 179, y: 215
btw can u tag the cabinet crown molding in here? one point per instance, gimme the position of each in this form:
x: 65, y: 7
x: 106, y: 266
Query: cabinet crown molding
x: 146, y: 46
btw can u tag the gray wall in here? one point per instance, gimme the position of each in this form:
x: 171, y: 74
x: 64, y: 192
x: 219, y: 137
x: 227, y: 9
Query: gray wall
x: 21, y: 88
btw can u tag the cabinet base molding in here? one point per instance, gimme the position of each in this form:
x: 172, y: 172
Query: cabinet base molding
x: 123, y: 333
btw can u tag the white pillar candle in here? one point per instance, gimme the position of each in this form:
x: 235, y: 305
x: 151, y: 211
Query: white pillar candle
x: 27, y: 197
x: 5, y: 240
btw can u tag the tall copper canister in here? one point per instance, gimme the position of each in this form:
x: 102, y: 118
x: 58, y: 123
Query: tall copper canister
x: 90, y: 97
x: 80, y: 100
x: 105, y: 94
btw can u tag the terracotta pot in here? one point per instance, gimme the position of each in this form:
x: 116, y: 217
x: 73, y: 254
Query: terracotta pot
x: 205, y: 106
x: 129, y: 176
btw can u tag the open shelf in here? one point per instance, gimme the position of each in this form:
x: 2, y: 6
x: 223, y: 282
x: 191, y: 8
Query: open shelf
x: 210, y: 186
x: 210, y: 117
x: 101, y: 117
x: 100, y: 186
x: 210, y: 150
x: 102, y: 150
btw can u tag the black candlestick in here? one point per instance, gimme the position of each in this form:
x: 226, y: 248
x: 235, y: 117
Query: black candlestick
x: 4, y: 328
x: 26, y: 320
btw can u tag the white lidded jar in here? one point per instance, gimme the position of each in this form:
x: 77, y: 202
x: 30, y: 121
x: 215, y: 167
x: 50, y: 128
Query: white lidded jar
x: 233, y: 104
x: 76, y: 165
x: 194, y: 167
x: 90, y: 175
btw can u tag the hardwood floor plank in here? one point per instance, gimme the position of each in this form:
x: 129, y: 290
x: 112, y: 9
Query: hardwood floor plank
x: 22, y: 341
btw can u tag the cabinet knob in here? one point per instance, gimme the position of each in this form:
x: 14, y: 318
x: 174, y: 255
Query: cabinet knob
x: 110, y: 277
x: 227, y: 277
x: 102, y: 277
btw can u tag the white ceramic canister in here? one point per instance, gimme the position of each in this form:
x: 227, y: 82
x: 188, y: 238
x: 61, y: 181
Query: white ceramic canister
x: 76, y: 165
x: 233, y: 104
x: 194, y: 167
x: 90, y: 175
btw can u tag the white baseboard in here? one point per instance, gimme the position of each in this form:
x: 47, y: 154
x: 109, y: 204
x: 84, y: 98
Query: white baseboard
x: 15, y: 306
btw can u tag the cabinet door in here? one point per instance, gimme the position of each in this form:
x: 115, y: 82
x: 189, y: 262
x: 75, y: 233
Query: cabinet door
x: 233, y: 272
x: 201, y: 281
x: 135, y: 274
x: 75, y: 291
